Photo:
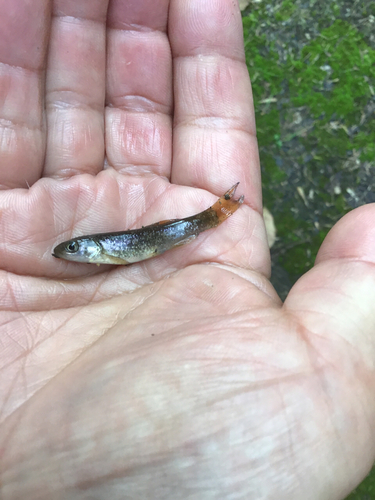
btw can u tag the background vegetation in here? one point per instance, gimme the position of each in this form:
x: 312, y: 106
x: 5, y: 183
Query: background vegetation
x: 312, y: 65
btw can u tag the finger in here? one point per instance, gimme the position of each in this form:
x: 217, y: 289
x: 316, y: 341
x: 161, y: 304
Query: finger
x: 340, y: 289
x: 353, y: 237
x: 24, y: 27
x: 342, y: 283
x: 334, y: 306
x: 214, y: 139
x: 139, y: 93
x: 75, y: 88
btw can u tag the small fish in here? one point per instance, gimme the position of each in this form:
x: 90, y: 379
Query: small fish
x: 135, y: 245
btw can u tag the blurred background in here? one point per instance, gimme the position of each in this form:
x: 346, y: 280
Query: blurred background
x: 312, y: 67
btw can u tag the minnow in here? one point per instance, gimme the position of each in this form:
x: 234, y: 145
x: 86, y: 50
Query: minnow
x: 135, y: 245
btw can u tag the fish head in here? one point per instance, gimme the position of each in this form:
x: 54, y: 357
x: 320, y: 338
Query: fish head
x: 78, y: 250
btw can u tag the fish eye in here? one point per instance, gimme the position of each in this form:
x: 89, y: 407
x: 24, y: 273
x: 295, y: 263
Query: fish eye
x: 72, y: 247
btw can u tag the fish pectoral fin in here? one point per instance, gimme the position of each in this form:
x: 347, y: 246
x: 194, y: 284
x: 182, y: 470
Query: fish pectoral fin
x: 185, y: 241
x: 162, y: 222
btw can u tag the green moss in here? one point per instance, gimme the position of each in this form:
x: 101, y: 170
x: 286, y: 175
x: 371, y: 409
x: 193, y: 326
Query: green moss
x: 309, y: 109
x: 287, y: 8
x: 365, y: 142
x: 334, y: 74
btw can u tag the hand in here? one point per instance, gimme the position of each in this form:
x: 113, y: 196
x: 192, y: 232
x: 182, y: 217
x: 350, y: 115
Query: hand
x: 182, y: 377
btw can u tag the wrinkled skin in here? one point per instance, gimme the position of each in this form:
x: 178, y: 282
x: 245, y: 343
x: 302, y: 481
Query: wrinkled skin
x: 183, y: 377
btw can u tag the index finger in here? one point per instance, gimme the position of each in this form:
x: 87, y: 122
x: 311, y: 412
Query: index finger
x: 214, y: 141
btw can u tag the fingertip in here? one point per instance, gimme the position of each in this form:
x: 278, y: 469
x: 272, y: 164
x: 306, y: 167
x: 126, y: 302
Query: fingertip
x: 352, y: 237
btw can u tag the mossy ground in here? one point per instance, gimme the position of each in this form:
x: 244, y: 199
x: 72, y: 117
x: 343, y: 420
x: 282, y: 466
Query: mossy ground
x: 312, y: 65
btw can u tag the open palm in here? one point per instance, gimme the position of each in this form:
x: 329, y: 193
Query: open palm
x: 182, y: 377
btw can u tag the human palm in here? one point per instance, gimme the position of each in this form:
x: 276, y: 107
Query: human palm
x: 183, y: 376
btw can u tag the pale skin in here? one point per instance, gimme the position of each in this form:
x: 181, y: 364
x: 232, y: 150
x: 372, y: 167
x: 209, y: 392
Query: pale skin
x: 183, y: 377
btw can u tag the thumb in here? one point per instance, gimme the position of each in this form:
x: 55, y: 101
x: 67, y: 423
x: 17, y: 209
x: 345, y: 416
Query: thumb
x: 334, y: 304
x: 341, y: 286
